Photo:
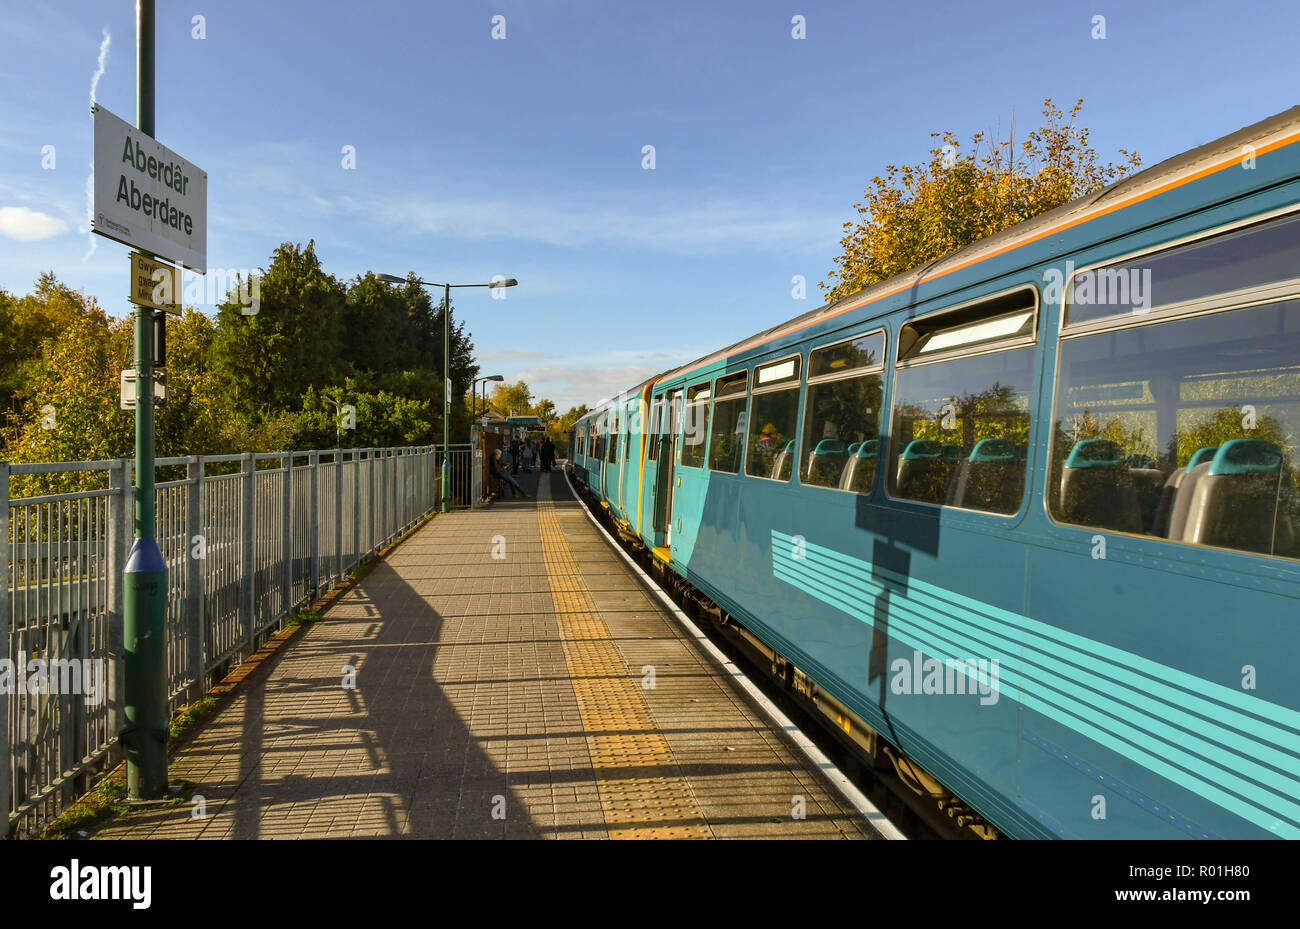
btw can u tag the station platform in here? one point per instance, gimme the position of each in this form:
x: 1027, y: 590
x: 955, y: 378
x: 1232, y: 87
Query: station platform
x: 514, y: 678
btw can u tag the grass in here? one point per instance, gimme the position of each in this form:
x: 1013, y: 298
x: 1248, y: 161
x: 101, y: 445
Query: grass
x: 302, y: 616
x: 99, y: 805
x: 191, y: 715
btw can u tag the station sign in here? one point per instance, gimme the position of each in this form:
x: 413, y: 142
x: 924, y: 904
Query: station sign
x: 155, y: 284
x: 146, y: 196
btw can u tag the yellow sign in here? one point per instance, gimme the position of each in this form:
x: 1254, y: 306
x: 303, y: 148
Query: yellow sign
x: 155, y: 284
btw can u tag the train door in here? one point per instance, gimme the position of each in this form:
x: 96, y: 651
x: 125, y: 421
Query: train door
x: 668, y: 470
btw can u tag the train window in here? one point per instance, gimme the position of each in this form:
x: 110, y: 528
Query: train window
x: 1183, y: 429
x: 1252, y: 257
x: 612, y: 444
x: 842, y: 414
x: 597, y: 449
x: 674, y: 418
x: 961, y: 418
x: 695, y: 426
x: 655, y: 431
x: 773, y: 420
x: 727, y: 444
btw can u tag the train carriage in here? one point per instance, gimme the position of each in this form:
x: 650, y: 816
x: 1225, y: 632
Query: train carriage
x: 1029, y: 516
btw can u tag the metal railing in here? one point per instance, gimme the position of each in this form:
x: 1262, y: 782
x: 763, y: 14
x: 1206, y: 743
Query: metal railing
x: 247, y: 540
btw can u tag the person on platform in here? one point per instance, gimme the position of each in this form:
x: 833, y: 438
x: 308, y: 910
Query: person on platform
x: 548, y: 453
x: 502, y: 474
x: 514, y: 456
x: 528, y: 456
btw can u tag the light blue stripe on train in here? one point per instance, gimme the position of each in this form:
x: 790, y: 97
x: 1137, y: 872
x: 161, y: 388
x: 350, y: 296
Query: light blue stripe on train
x: 1239, y: 751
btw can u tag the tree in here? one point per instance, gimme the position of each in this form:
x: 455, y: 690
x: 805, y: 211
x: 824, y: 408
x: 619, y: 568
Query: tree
x: 560, y: 428
x: 918, y: 213
x: 293, y: 342
x: 512, y: 399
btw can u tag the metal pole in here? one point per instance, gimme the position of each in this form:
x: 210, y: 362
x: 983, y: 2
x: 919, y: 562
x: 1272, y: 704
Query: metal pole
x: 145, y: 575
x: 446, y: 393
x: 6, y: 752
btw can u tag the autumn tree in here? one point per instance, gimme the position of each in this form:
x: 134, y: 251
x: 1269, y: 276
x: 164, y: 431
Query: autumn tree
x: 512, y: 399
x: 917, y: 213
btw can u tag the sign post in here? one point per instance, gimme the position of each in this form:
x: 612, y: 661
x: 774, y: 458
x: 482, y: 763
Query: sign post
x: 147, y: 197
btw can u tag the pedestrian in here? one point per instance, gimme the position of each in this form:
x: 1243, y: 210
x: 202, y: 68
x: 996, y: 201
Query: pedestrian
x: 514, y: 456
x: 502, y: 474
x: 548, y: 453
x: 528, y: 456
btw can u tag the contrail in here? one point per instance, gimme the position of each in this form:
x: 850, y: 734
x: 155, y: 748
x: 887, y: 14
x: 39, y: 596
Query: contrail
x: 103, y: 60
x: 90, y: 180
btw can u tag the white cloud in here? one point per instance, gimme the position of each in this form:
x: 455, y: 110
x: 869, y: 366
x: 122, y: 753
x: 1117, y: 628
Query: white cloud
x: 18, y: 222
x: 689, y: 225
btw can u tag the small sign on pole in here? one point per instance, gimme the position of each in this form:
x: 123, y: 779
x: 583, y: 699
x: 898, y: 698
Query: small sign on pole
x: 155, y: 284
x: 127, y: 389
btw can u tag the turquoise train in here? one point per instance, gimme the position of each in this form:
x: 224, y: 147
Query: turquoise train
x: 1023, y: 522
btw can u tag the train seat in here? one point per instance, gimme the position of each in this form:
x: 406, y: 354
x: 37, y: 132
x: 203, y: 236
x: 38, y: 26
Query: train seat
x: 860, y: 470
x: 924, y: 470
x: 826, y: 463
x: 1241, y: 500
x: 783, y: 462
x: 1096, y: 488
x: 1169, y: 493
x: 992, y: 478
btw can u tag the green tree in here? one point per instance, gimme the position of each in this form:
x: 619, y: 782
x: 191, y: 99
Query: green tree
x: 294, y: 341
x: 560, y: 427
x: 915, y: 214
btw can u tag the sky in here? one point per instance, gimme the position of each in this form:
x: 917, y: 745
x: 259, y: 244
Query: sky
x: 524, y: 156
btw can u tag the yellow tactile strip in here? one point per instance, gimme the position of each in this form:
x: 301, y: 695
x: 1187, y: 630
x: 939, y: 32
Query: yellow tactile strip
x: 641, y: 791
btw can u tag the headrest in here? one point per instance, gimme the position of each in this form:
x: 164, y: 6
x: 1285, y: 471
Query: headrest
x: 829, y: 447
x: 1095, y: 453
x: 1201, y: 456
x: 868, y: 448
x: 1000, y: 450
x: 1246, y: 456
x: 918, y: 449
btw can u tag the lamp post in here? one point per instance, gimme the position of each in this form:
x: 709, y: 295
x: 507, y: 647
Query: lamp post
x: 473, y: 403
x: 446, y: 365
x: 338, y: 419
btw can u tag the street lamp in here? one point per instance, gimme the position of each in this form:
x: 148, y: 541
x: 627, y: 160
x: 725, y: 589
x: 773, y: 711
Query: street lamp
x: 338, y: 413
x: 446, y: 365
x: 473, y: 402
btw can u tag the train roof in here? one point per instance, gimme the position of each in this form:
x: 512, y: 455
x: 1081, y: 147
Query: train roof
x: 1262, y: 136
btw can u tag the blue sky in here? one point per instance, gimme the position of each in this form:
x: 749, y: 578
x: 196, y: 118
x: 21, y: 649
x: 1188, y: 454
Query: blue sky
x: 523, y: 156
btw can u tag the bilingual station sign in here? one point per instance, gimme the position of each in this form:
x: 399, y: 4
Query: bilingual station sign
x: 147, y: 196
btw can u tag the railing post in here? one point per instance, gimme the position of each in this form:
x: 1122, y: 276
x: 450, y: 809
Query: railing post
x: 338, y: 515
x: 314, y: 539
x: 6, y: 553
x: 381, y: 501
x: 119, y: 539
x: 195, y: 652
x: 286, y: 536
x: 247, y: 589
x: 356, y: 507
x: 372, y: 481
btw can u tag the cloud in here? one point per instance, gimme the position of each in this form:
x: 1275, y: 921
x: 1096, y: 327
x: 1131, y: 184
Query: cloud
x: 569, y: 386
x: 18, y: 222
x: 100, y: 65
x: 690, y: 225
x: 513, y: 355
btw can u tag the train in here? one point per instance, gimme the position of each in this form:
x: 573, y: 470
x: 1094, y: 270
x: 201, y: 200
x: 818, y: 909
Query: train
x: 1024, y: 522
